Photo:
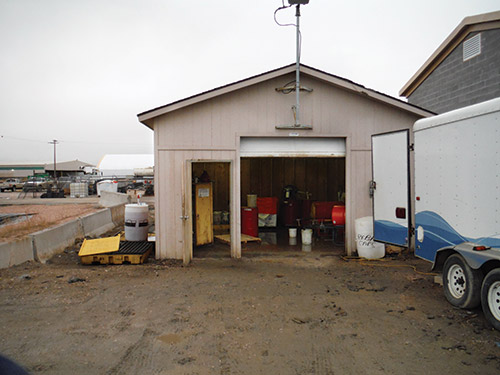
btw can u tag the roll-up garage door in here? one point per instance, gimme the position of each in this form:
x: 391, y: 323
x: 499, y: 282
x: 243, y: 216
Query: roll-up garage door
x: 292, y: 147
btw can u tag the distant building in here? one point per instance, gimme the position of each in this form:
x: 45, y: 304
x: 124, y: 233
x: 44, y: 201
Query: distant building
x: 464, y: 70
x: 21, y: 170
x: 69, y: 168
x: 124, y: 165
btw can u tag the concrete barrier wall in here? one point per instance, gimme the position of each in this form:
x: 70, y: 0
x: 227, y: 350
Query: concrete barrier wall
x: 42, y: 245
x: 49, y: 242
x: 16, y: 252
x: 110, y: 199
x: 97, y: 223
x: 118, y: 214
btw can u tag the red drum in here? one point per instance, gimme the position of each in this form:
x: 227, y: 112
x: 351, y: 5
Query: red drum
x: 338, y: 215
x: 250, y: 221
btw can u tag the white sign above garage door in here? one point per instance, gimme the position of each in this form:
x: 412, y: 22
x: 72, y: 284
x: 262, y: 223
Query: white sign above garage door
x: 291, y: 147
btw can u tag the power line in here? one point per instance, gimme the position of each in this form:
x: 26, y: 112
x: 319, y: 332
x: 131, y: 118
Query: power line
x: 7, y: 137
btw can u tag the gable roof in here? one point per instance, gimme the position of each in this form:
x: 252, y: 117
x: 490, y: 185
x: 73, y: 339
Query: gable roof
x: 480, y: 22
x: 126, y: 161
x: 73, y: 165
x: 147, y: 117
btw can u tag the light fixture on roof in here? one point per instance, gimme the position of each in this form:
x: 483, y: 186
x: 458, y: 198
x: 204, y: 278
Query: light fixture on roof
x: 296, y: 107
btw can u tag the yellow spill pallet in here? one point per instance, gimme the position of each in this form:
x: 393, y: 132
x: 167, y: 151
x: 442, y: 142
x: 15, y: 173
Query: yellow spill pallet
x: 130, y: 252
x: 100, y: 246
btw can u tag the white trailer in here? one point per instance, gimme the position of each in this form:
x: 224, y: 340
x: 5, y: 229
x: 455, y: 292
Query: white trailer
x: 456, y: 212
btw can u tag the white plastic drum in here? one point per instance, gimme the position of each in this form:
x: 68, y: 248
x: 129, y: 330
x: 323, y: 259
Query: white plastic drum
x: 107, y: 185
x: 365, y: 245
x: 136, y: 222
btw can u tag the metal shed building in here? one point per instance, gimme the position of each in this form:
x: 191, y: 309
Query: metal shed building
x: 238, y: 128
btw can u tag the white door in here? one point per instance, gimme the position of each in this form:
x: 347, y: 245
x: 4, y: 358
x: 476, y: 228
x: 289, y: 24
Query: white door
x: 391, y: 187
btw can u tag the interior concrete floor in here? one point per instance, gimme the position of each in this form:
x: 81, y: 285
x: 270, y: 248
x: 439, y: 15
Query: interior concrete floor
x: 275, y: 240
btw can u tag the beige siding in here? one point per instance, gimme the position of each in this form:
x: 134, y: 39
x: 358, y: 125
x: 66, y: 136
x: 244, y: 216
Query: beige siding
x: 170, y: 197
x: 210, y: 130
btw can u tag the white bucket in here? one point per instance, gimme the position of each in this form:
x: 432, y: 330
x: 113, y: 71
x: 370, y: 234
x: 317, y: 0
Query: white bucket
x: 375, y: 251
x: 136, y: 222
x: 252, y: 200
x: 307, y: 236
x: 292, y: 232
x: 363, y: 229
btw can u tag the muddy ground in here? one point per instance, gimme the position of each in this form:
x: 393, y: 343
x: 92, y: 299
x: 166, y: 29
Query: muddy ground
x: 276, y: 313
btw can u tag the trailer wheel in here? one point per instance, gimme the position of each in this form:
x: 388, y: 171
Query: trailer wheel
x: 490, y: 298
x: 462, y: 284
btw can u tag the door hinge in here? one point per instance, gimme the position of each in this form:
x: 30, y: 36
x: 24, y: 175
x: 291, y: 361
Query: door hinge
x: 411, y: 147
x: 373, y: 186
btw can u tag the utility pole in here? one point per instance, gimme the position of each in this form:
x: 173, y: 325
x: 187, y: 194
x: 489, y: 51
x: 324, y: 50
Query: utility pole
x: 54, y: 142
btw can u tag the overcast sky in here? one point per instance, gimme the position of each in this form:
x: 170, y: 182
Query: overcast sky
x: 79, y: 71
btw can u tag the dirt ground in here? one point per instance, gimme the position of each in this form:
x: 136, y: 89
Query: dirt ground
x: 276, y: 313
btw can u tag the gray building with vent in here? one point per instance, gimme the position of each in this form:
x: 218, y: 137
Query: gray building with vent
x: 464, y: 70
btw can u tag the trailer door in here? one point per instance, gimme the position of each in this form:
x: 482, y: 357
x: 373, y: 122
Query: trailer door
x: 391, y: 187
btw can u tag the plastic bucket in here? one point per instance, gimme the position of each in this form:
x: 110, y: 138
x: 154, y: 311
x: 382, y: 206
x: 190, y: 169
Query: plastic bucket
x: 252, y: 200
x: 292, y: 232
x: 136, y: 222
x: 363, y: 229
x: 375, y: 251
x: 306, y: 236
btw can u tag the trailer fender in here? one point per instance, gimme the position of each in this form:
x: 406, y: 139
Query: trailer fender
x: 474, y: 258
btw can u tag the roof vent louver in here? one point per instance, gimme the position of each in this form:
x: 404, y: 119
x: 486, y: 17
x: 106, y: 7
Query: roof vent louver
x: 472, y: 47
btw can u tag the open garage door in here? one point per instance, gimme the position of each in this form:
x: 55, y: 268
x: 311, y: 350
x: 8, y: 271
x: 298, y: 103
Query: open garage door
x: 391, y: 187
x: 297, y: 181
x: 292, y: 147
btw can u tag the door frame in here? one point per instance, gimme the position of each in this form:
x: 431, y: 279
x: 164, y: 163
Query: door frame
x: 187, y: 206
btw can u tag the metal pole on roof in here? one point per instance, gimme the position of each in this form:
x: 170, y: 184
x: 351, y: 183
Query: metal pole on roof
x: 286, y: 90
x: 297, y: 68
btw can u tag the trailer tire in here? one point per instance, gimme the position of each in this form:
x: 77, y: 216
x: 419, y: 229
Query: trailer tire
x: 490, y: 298
x: 461, y: 283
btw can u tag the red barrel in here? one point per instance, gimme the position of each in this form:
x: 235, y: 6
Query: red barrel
x: 338, y: 215
x: 250, y: 221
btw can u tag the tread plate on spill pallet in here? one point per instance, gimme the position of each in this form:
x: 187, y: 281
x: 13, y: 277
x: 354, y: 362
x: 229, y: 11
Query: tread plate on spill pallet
x: 133, y: 252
